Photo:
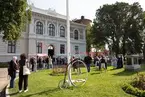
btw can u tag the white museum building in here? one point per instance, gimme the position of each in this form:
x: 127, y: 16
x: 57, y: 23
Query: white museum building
x: 46, y: 34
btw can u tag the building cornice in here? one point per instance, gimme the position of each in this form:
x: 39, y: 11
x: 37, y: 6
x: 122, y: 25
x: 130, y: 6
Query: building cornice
x: 52, y: 14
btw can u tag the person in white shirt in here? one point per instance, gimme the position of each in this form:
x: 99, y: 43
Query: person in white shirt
x: 50, y: 62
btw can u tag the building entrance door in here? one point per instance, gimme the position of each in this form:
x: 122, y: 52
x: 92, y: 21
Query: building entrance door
x: 50, y: 51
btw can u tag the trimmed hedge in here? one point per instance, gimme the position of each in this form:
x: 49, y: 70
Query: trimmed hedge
x: 3, y: 64
x: 132, y: 90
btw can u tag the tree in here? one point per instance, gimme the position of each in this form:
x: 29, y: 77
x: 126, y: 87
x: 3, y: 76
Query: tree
x: 120, y: 25
x: 14, y: 14
x: 144, y: 41
x: 88, y: 38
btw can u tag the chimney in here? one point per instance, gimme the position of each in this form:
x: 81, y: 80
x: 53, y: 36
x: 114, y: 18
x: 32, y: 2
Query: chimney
x: 82, y: 17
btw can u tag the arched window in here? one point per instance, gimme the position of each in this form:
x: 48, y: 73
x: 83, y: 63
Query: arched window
x: 51, y: 30
x: 62, y: 31
x: 39, y: 28
x: 76, y: 34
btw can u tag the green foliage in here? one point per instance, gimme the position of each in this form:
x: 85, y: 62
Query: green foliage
x: 132, y: 90
x: 136, y: 86
x: 14, y: 14
x: 120, y: 25
x: 139, y: 81
x: 88, y: 38
x: 3, y: 64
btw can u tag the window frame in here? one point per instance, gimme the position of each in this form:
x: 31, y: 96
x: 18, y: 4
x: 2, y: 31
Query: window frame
x: 11, y: 47
x: 39, y: 47
x: 62, y: 31
x: 62, y: 51
x: 76, y: 36
x: 39, y: 28
x: 77, y: 51
x: 51, y: 30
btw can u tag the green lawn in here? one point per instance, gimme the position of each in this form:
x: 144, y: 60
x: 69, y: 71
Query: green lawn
x: 99, y: 84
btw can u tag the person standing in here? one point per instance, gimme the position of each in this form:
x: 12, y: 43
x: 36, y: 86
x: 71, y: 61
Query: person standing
x: 103, y: 63
x: 87, y: 61
x: 119, y: 62
x: 97, y: 62
x: 114, y: 61
x: 50, y: 62
x: 23, y: 78
x: 47, y: 62
x: 13, y: 66
x: 32, y: 62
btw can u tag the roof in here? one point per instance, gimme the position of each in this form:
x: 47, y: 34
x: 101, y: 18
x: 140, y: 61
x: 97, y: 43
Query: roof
x: 49, y: 12
x: 53, y: 13
x: 83, y: 20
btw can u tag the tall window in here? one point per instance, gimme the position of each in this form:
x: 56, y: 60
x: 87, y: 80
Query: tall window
x: 76, y: 49
x: 76, y: 34
x: 39, y: 47
x: 62, y: 31
x: 51, y: 30
x: 81, y: 35
x: 62, y: 49
x: 11, y: 47
x: 39, y: 28
x: 71, y: 35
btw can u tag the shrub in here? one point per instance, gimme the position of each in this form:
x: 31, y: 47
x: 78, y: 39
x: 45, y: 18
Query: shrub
x: 139, y: 81
x: 3, y: 64
x: 132, y: 90
x: 136, y: 87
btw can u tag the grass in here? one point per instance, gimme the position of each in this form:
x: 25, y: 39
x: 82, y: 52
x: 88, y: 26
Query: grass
x: 99, y: 84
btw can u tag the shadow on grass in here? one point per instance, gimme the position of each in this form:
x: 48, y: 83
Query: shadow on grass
x: 125, y: 73
x: 112, y: 69
x: 95, y: 69
x: 12, y: 94
x: 56, y: 74
x: 95, y: 73
x: 43, y: 92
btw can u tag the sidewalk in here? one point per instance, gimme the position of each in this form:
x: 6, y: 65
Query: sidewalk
x: 4, y: 78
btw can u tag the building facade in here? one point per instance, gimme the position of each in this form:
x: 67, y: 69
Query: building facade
x: 46, y: 34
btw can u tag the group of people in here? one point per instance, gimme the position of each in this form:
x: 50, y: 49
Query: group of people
x: 34, y: 63
x: 117, y: 62
x: 46, y: 62
x: 15, y: 66
x: 41, y: 62
x: 100, y: 62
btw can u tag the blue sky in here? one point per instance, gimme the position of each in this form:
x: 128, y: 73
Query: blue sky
x: 77, y: 8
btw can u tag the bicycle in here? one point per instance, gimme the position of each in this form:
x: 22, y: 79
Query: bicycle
x: 75, y: 78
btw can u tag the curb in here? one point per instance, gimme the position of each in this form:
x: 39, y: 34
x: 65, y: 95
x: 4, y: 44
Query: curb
x: 7, y: 89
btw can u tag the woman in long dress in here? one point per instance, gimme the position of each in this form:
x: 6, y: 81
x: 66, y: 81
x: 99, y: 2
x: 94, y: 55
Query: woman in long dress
x: 114, y: 62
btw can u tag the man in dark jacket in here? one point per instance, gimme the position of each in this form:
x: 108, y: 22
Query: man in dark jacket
x: 88, y: 61
x: 13, y: 66
x: 32, y: 62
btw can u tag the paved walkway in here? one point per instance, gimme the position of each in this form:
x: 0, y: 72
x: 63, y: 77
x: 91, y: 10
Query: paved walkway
x: 4, y: 78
